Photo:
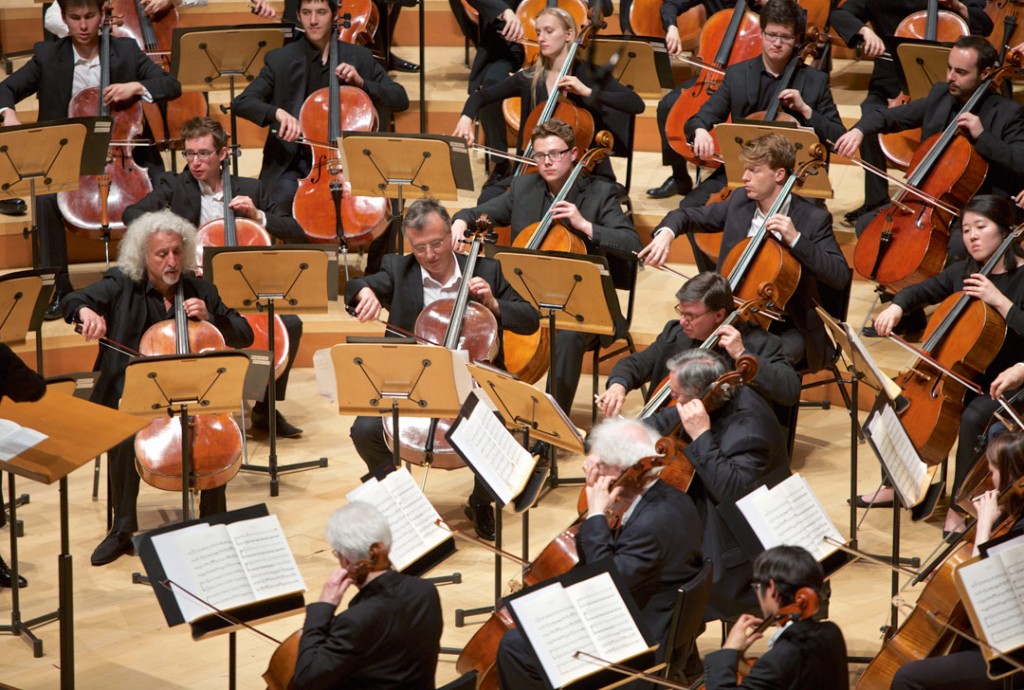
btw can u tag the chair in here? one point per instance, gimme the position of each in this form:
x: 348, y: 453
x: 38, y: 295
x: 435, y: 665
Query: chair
x: 467, y: 681
x: 687, y: 621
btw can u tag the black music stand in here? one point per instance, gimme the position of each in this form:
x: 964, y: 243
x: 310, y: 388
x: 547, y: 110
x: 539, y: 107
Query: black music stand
x: 255, y: 279
x: 201, y: 59
x: 381, y: 164
x: 571, y: 292
x: 77, y: 431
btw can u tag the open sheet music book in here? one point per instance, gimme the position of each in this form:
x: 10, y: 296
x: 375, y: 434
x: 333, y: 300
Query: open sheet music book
x: 493, y: 452
x: 910, y: 475
x: 992, y: 589
x: 228, y: 565
x: 590, y: 614
x: 15, y: 439
x: 789, y: 513
x: 411, y: 517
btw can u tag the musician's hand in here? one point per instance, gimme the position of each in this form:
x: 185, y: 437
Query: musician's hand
x: 119, y: 93
x: 572, y: 84
x: 872, y: 45
x: 459, y: 228
x: 792, y: 99
x: 887, y: 320
x: 152, y: 7
x: 1019, y: 48
x: 656, y: 253
x: 349, y: 75
x: 196, y: 310
x: 987, y: 505
x: 464, y: 129
x: 783, y: 227
x: 568, y: 212
x: 1009, y: 379
x: 730, y: 340
x: 11, y: 120
x: 694, y: 418
x: 513, y: 31
x: 703, y: 144
x: 600, y: 495
x: 961, y: 9
x: 672, y: 42
x: 334, y: 588
x: 367, y: 305
x: 94, y: 326
x: 971, y: 123
x: 480, y: 290
x: 848, y: 144
x: 262, y: 8
x: 738, y: 638
x: 978, y: 285
x: 1018, y: 199
x: 244, y: 206
x: 610, y: 402
x: 290, y: 128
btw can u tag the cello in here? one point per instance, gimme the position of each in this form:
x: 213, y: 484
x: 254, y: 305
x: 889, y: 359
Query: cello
x: 906, y: 242
x: 94, y: 210
x: 324, y: 205
x: 229, y: 231
x: 527, y: 356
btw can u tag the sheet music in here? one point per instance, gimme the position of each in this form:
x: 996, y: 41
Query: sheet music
x: 995, y: 587
x: 789, y: 513
x: 323, y: 369
x: 16, y: 439
x: 494, y: 453
x: 216, y: 567
x: 266, y: 557
x: 177, y: 570
x: 603, y: 612
x: 908, y: 472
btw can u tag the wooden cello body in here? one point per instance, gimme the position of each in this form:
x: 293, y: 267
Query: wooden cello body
x: 645, y: 20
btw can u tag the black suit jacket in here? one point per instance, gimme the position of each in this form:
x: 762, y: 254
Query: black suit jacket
x: 745, y: 444
x: 282, y: 84
x: 524, y: 203
x: 122, y: 302
x: 807, y: 655
x: 739, y: 92
x: 181, y: 194
x: 656, y: 551
x: 1001, y: 144
x: 50, y: 74
x: 389, y: 637
x: 399, y: 287
x: 825, y: 275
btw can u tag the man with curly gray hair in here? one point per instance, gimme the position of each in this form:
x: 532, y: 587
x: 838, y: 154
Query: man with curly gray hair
x: 156, y: 259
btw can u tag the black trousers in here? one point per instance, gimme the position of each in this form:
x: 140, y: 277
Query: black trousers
x: 570, y: 348
x: 502, y: 62
x: 712, y: 184
x: 53, y: 243
x: 293, y: 325
x: 960, y: 671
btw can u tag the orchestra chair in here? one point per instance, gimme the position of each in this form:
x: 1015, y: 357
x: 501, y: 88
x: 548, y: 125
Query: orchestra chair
x: 464, y: 682
x: 687, y: 621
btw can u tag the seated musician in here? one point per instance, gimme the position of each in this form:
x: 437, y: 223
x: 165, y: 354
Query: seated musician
x: 54, y: 22
x: 803, y: 227
x: 196, y: 194
x: 390, y: 634
x: 293, y: 72
x: 809, y: 100
x: 591, y: 211
x: 56, y: 74
x: 657, y: 549
x: 966, y: 669
x: 870, y: 27
x: 986, y: 221
x: 801, y: 654
x: 157, y: 251
x: 407, y: 283
x: 615, y: 103
x: 732, y: 449
x: 705, y: 301
x: 995, y: 127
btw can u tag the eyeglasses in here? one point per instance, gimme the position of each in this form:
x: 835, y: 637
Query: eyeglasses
x: 687, y: 316
x: 434, y: 246
x: 778, y: 38
x: 202, y: 154
x: 553, y: 156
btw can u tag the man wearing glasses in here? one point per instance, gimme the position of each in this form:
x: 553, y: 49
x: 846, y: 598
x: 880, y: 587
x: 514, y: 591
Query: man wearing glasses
x: 197, y: 195
x: 405, y: 285
x: 591, y: 211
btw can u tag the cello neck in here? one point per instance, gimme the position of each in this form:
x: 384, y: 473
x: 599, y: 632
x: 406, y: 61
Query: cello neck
x: 180, y: 320
x: 105, y: 60
x: 722, y: 56
x: 149, y: 40
x: 758, y: 238
x: 931, y: 27
x: 784, y: 83
x: 549, y: 217
x: 230, y: 230
x: 451, y: 338
x: 334, y: 102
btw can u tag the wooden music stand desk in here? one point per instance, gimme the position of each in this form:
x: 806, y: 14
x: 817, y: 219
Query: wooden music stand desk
x: 923, y: 66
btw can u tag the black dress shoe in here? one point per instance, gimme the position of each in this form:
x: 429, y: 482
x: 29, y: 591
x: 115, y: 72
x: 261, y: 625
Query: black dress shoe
x: 54, y: 311
x: 670, y: 187
x: 113, y: 546
x: 869, y: 332
x: 399, y: 65
x: 13, y: 207
x: 261, y: 421
x: 6, y: 576
x: 854, y: 215
x: 482, y: 516
x: 861, y: 503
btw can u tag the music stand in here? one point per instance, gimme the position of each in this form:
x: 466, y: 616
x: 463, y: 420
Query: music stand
x: 56, y: 154
x: 201, y: 59
x: 181, y: 386
x: 732, y: 136
x: 923, y: 64
x: 254, y: 279
x: 383, y: 165
x: 77, y: 431
x: 572, y: 291
x: 24, y: 296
